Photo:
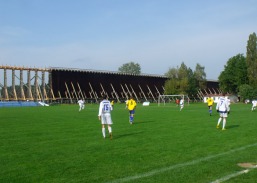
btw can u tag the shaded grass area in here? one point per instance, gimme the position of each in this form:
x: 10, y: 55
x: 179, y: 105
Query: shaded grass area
x: 60, y: 144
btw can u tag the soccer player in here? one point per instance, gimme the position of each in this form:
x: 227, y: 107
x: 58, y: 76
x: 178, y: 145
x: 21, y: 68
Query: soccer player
x: 223, y: 109
x: 81, y: 104
x: 104, y: 115
x: 131, y: 106
x: 181, y: 104
x: 177, y: 101
x: 254, y: 102
x: 112, y: 103
x: 210, y: 103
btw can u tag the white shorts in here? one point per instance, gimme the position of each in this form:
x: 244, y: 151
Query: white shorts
x: 106, y: 119
x: 223, y: 115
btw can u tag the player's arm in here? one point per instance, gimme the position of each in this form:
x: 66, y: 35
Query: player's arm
x: 135, y: 105
x: 100, y: 111
x: 110, y: 105
x: 217, y: 106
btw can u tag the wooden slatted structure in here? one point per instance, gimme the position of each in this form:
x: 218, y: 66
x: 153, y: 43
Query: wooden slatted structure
x: 71, y: 84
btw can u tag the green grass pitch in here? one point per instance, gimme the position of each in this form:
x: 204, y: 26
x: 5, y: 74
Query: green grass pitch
x: 58, y: 144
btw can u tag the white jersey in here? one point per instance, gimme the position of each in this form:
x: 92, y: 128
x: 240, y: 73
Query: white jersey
x: 105, y: 107
x: 182, y: 102
x: 228, y: 101
x: 81, y: 102
x: 222, y: 105
x: 254, y: 102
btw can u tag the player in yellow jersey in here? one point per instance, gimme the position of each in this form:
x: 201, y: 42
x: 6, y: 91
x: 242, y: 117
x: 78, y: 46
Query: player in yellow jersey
x: 131, y: 106
x: 210, y: 103
x: 112, y: 103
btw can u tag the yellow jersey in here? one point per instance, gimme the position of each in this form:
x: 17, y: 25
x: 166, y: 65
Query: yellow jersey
x: 131, y: 104
x: 210, y: 101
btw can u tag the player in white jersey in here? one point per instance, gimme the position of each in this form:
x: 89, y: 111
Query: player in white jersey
x: 223, y: 108
x: 81, y: 104
x: 104, y: 115
x: 181, y: 104
x: 254, y: 102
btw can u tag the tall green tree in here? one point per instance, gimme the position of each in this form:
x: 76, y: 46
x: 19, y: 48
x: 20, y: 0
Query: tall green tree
x: 200, y: 76
x: 130, y: 68
x: 183, y: 77
x: 251, y: 59
x: 182, y: 80
x: 192, y: 83
x: 247, y: 92
x: 172, y: 73
x: 234, y: 74
x: 172, y: 87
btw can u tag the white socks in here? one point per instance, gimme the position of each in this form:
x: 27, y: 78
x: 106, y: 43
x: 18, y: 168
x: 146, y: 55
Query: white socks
x: 224, y: 123
x: 103, y: 131
x: 219, y: 121
x: 109, y: 129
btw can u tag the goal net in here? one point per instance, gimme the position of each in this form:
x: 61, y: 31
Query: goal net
x: 171, y: 99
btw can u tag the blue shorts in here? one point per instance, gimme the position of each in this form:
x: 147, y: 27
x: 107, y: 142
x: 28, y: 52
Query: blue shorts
x: 132, y: 112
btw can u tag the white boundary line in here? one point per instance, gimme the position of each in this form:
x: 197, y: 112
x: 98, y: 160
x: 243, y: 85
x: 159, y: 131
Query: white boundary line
x: 223, y: 179
x: 165, y: 169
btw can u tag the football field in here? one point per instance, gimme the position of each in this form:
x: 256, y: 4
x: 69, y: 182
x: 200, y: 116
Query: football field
x: 59, y: 144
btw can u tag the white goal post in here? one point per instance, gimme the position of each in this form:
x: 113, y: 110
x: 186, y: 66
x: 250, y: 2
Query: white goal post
x: 171, y: 98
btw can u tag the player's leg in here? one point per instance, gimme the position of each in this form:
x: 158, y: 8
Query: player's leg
x: 109, y: 122
x: 219, y: 120
x: 103, y: 119
x: 103, y: 131
x: 224, y: 124
x: 181, y: 107
x: 132, y: 116
x: 110, y: 131
x: 210, y: 110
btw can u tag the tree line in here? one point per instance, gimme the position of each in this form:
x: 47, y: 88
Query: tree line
x: 240, y: 72
x: 239, y: 76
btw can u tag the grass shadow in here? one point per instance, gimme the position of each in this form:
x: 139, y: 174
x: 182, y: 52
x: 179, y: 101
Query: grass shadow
x: 232, y: 126
x: 127, y: 135
x: 140, y: 122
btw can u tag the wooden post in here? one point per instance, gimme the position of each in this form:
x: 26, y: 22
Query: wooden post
x: 36, y: 91
x: 6, y: 96
x: 74, y: 91
x: 134, y: 92
x: 117, y: 97
x: 142, y: 92
x: 68, y: 91
x: 150, y: 92
x: 124, y: 91
x: 13, y: 85
x: 45, y: 97
x: 95, y: 95
x: 128, y: 89
x: 29, y: 93
x: 22, y: 94
x: 80, y: 92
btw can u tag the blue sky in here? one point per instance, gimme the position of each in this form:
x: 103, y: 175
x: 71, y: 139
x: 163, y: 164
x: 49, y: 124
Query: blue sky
x: 105, y: 34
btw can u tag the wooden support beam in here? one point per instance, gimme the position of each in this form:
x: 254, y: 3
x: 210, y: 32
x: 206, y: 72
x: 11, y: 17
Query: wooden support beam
x: 142, y: 92
x: 68, y: 91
